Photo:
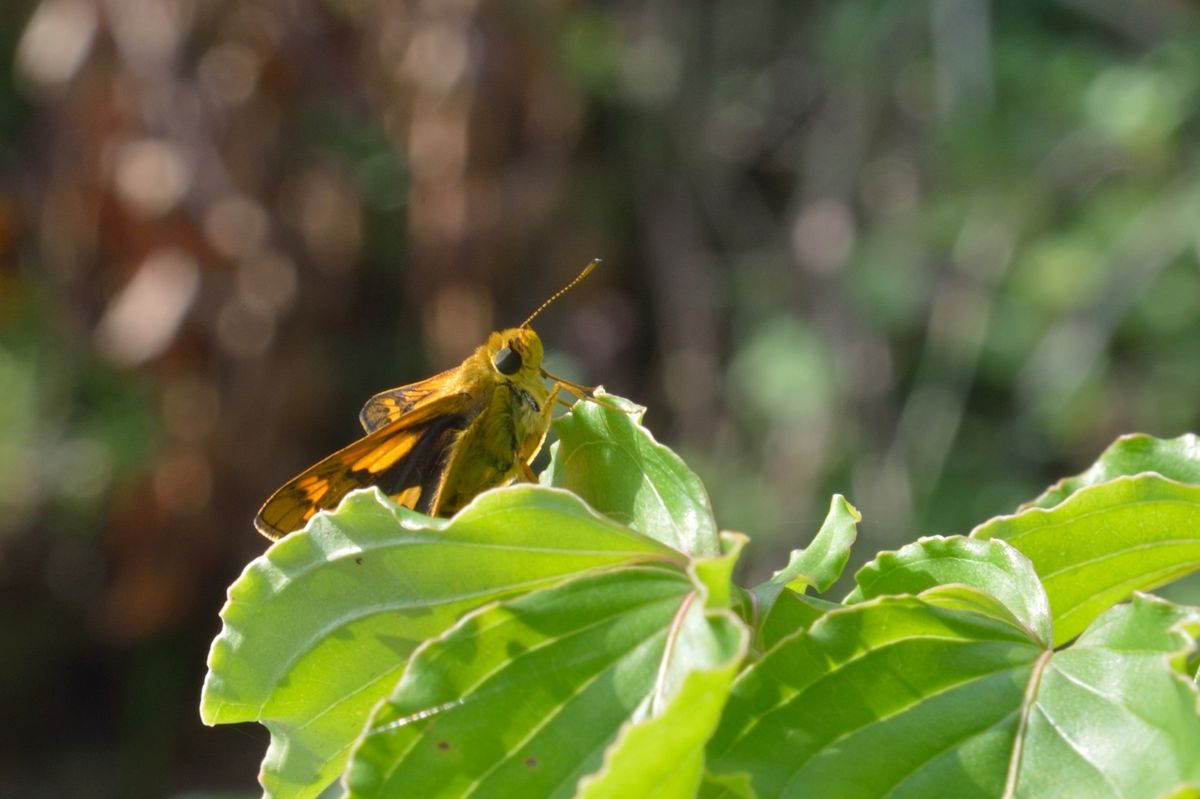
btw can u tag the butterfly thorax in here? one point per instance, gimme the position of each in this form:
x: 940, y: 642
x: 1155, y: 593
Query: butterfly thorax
x: 505, y: 377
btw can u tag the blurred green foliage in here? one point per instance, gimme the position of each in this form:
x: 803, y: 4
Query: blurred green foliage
x: 928, y: 255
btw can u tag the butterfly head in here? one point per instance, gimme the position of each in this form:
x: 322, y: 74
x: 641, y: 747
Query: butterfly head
x: 515, y: 352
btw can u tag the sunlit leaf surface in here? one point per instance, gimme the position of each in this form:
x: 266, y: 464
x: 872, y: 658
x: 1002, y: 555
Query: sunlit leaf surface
x: 1175, y: 458
x: 946, y: 695
x: 1104, y: 542
x: 318, y: 629
x: 523, y: 698
x: 607, y: 457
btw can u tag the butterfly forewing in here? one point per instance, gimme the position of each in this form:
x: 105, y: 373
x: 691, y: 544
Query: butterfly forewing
x: 405, y: 458
x: 388, y: 406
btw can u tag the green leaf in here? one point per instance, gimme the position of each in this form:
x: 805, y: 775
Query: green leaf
x: 523, y: 697
x: 788, y: 614
x: 1104, y: 542
x: 607, y: 457
x: 820, y: 564
x: 1114, y: 715
x: 714, y: 576
x: 993, y: 567
x: 734, y: 786
x: 317, y: 630
x: 946, y: 695
x: 1174, y: 458
x: 853, y: 706
x: 663, y: 757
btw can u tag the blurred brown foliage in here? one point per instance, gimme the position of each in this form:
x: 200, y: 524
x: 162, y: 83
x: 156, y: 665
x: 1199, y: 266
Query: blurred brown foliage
x: 931, y: 255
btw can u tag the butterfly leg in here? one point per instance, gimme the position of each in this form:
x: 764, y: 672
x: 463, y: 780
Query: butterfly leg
x: 588, y: 393
x: 527, y: 472
x: 544, y: 417
x: 583, y: 392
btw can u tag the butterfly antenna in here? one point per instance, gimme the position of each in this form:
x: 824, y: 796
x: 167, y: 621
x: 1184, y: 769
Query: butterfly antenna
x: 587, y: 270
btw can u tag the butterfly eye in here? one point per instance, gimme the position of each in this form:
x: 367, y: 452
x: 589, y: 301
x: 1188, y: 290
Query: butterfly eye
x: 507, y: 361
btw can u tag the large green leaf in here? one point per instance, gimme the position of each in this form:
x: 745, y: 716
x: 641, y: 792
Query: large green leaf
x: 1104, y: 542
x: 1114, y: 715
x: 607, y: 457
x: 993, y: 567
x: 523, y: 697
x: 662, y: 757
x: 1174, y: 458
x: 317, y: 630
x: 946, y: 694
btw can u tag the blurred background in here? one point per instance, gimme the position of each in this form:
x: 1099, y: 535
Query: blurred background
x: 931, y: 255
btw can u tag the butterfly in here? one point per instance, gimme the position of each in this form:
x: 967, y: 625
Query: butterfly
x: 433, y: 445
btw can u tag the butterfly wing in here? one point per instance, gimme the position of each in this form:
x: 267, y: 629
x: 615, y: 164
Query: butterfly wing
x: 406, y: 459
x: 388, y: 406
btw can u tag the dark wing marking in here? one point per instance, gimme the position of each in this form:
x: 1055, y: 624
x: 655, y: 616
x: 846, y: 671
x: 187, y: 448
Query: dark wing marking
x: 388, y: 406
x: 407, y: 460
x: 414, y: 480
